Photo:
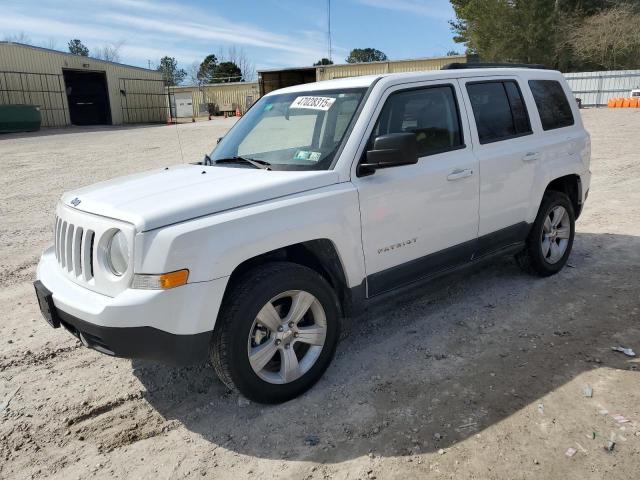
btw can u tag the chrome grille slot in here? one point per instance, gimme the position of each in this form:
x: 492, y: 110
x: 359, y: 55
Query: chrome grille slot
x: 87, y: 255
x: 58, y: 230
x: 63, y: 243
x: 77, y: 253
x: 69, y: 247
x: 55, y: 237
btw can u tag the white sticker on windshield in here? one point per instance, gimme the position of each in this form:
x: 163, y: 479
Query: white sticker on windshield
x: 314, y: 103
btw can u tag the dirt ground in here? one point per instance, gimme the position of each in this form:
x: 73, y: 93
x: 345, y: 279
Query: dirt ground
x: 478, y: 376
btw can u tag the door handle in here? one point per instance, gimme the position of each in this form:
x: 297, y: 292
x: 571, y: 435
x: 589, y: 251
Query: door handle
x: 459, y: 173
x: 531, y: 156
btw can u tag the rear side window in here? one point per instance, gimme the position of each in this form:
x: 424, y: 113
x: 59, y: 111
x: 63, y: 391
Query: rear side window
x: 499, y: 110
x: 431, y: 113
x: 552, y: 103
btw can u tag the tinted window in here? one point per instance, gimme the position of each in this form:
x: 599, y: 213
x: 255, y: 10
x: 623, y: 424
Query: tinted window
x: 518, y: 108
x: 431, y: 113
x: 552, y: 103
x: 499, y: 110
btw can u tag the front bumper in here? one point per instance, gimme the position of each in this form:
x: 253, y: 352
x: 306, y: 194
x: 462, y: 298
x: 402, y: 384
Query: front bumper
x: 171, y: 326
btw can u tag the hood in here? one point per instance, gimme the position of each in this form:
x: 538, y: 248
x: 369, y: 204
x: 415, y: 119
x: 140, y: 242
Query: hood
x: 161, y: 197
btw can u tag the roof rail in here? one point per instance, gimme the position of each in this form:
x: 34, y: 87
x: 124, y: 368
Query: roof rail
x: 464, y: 66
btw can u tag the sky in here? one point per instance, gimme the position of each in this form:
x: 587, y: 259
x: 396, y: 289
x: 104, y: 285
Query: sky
x: 272, y: 33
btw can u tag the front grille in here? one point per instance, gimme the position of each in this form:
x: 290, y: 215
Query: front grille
x: 78, y: 239
x: 74, y: 249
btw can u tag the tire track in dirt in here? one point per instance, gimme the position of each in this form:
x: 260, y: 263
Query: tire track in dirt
x: 29, y: 358
x: 119, y: 423
x: 12, y: 275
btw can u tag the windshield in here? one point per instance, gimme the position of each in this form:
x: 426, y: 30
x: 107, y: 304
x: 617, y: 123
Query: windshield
x: 292, y: 131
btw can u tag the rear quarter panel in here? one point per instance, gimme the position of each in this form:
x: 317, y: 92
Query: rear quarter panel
x: 563, y: 151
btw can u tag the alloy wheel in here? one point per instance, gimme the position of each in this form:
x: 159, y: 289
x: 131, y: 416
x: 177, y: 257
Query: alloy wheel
x: 287, y: 337
x: 556, y: 232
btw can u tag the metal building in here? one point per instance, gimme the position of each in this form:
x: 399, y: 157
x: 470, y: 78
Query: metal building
x: 215, y: 98
x: 76, y: 90
x: 271, y: 80
x: 597, y: 88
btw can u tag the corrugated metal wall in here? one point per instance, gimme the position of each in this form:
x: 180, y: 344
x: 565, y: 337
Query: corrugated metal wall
x: 328, y: 72
x: 596, y: 88
x: 38, y: 72
x: 226, y: 96
x: 44, y: 89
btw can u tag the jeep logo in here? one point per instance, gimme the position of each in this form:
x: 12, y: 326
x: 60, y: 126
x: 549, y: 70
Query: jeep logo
x: 75, y: 202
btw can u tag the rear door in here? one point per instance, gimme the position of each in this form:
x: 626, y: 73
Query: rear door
x: 505, y: 145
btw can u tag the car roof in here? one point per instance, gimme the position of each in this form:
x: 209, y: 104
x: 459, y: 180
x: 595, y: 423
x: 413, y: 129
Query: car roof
x: 407, y: 77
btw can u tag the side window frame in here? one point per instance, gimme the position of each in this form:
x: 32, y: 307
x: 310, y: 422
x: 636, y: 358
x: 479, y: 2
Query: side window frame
x: 449, y: 84
x: 472, y: 118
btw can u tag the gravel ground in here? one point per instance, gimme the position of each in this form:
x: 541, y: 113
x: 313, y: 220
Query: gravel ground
x: 477, y: 376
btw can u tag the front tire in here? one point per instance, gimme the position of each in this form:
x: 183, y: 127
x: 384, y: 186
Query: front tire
x: 276, y: 333
x: 550, y: 240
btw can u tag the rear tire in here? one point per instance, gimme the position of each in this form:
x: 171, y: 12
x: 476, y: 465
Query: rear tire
x: 276, y: 332
x: 550, y: 240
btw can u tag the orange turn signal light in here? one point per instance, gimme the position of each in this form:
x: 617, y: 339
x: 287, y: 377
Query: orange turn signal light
x: 174, y: 279
x: 163, y: 281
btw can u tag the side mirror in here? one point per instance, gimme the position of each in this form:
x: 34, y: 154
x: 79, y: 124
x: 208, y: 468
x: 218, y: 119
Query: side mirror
x: 219, y: 140
x: 391, y: 150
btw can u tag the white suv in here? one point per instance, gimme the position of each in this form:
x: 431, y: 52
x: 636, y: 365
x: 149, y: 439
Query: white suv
x: 320, y: 198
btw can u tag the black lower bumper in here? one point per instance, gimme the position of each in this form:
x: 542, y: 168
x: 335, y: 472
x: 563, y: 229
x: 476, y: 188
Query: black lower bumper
x: 135, y: 342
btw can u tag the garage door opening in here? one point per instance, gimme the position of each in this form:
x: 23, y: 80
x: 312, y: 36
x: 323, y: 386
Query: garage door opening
x: 88, y: 97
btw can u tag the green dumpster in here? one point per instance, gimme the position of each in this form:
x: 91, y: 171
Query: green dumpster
x: 19, y: 118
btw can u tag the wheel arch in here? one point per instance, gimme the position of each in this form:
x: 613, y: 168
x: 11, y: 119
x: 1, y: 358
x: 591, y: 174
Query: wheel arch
x: 320, y: 255
x: 570, y: 185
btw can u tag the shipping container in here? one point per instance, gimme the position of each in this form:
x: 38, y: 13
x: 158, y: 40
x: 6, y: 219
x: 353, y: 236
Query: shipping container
x: 219, y: 98
x: 329, y: 72
x: 270, y: 80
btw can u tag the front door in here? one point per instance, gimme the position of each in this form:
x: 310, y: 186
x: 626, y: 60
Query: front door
x: 423, y: 218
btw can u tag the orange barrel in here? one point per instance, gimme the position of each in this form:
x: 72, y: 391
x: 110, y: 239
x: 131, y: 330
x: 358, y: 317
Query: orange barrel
x: 619, y: 102
x: 611, y: 103
x: 626, y: 102
x: 634, y: 102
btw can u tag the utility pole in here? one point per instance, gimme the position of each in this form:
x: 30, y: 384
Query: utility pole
x: 329, y: 27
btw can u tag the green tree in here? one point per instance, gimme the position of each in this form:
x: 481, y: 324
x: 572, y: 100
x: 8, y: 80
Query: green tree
x: 170, y: 71
x: 609, y: 39
x: 227, y: 72
x: 323, y: 61
x: 530, y: 31
x: 77, y: 48
x: 207, y: 70
x: 360, y: 55
x: 506, y: 30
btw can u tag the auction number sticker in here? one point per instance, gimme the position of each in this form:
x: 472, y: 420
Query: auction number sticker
x: 313, y: 103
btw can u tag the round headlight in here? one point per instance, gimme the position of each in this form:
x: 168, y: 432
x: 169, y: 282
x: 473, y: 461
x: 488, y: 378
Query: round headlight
x: 118, y: 253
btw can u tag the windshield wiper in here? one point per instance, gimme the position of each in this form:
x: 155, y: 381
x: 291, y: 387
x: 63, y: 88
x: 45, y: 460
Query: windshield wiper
x: 256, y: 163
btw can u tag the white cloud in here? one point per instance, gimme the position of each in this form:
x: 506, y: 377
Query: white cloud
x: 240, y: 35
x: 153, y: 29
x: 436, y: 9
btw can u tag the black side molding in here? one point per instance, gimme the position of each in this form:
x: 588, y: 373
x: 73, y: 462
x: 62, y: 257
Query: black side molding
x: 434, y: 264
